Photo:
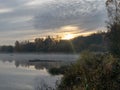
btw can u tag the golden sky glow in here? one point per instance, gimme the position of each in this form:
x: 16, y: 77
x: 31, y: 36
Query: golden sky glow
x: 69, y: 27
x: 68, y: 32
x: 65, y: 33
x: 68, y: 36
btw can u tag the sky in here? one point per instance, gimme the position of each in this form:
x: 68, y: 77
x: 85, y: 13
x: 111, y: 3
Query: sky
x: 29, y: 19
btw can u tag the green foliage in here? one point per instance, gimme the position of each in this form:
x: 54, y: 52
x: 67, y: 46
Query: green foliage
x: 92, y: 72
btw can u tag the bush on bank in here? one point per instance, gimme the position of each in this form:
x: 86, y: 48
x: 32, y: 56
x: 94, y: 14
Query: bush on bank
x: 92, y: 72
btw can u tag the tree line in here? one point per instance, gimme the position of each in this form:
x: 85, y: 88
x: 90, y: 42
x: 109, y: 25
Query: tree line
x: 93, y: 42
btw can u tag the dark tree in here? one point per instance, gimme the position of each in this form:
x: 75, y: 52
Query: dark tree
x: 17, y: 46
x: 92, y: 42
x: 39, y: 44
x: 6, y: 49
x: 113, y: 25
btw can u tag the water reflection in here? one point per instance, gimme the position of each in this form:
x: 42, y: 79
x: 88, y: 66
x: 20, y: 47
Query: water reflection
x: 26, y: 78
x: 39, y: 63
x: 44, y: 84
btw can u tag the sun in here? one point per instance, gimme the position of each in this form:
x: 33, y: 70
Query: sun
x: 68, y: 37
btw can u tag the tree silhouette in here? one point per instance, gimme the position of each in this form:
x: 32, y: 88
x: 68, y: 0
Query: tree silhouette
x: 113, y: 25
x: 17, y: 46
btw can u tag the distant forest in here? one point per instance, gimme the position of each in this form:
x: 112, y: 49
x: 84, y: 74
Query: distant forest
x: 95, y: 42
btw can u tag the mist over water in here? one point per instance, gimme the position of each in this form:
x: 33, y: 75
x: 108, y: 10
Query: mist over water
x: 29, y: 71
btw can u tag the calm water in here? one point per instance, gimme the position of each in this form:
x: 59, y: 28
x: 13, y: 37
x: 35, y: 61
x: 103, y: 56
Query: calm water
x: 29, y: 71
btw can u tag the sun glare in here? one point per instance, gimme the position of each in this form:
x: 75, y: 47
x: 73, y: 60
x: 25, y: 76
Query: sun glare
x: 68, y: 36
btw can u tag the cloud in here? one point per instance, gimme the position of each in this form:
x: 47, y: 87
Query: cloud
x: 5, y: 10
x: 86, y: 14
x: 48, y: 17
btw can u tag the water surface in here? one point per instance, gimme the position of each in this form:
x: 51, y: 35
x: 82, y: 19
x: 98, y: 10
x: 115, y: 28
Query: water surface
x: 29, y: 71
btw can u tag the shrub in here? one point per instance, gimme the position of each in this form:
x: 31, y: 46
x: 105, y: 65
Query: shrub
x: 58, y: 71
x: 92, y: 72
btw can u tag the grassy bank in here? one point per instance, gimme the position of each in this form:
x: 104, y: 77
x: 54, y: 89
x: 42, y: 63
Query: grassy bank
x: 92, y: 72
